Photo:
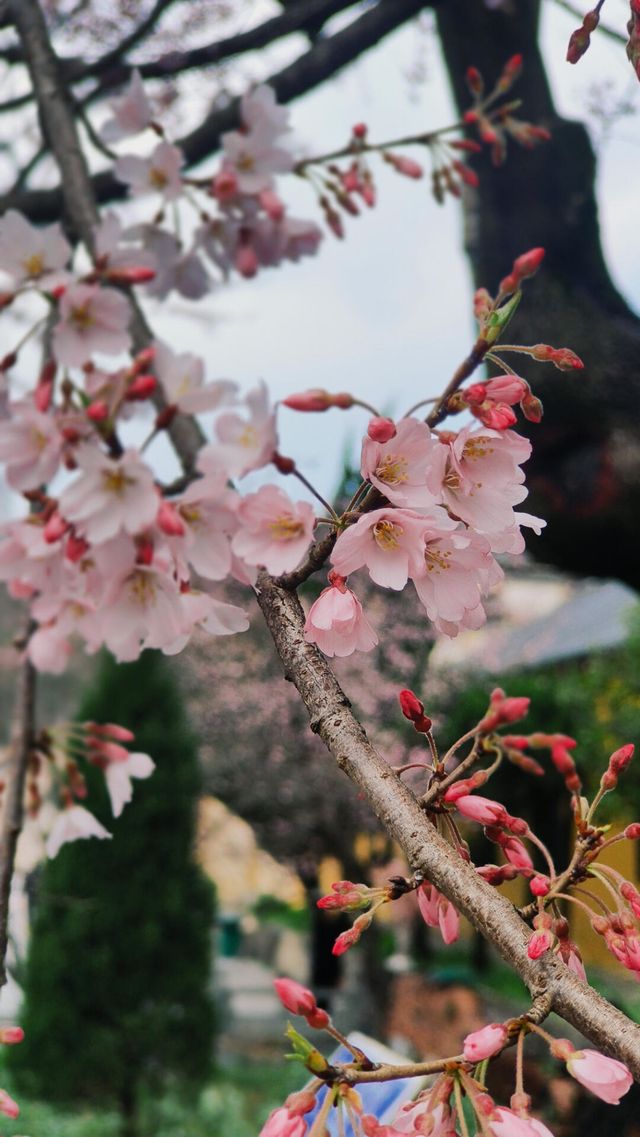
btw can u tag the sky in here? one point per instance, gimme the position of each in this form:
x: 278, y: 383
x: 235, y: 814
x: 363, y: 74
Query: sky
x: 386, y: 313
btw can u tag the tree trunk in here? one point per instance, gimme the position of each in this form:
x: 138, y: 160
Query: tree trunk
x: 584, y: 472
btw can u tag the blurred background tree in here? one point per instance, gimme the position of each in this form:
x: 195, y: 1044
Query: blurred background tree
x: 118, y: 991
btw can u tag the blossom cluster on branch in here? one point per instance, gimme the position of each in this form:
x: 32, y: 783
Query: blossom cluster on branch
x: 109, y: 554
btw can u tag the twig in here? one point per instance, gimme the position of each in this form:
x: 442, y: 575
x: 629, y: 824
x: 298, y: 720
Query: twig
x: 15, y: 768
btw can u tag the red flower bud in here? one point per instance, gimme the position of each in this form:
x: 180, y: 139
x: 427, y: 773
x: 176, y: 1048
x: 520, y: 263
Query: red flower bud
x: 381, y: 429
x: 143, y: 387
x: 528, y: 263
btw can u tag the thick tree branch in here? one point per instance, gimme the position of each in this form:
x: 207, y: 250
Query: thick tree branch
x: 323, y: 60
x: 427, y: 852
x: 13, y: 775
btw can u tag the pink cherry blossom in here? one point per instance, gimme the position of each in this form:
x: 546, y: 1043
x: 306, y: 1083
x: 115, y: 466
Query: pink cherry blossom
x: 182, y: 380
x: 254, y: 154
x: 31, y: 446
x: 337, y: 624
x: 409, y: 467
x: 417, y: 1118
x: 118, y: 777
x: 32, y: 255
x: 389, y: 542
x: 159, y: 173
x: 483, y: 479
x: 142, y: 609
x: 274, y: 532
x: 113, y: 248
x: 207, y: 512
x: 73, y: 824
x: 457, y: 570
x: 607, y: 1078
x: 505, y: 1123
x: 282, y: 1123
x: 261, y: 113
x: 484, y: 1043
x: 110, y: 496
x: 438, y: 912
x: 131, y: 113
x: 176, y: 268
x: 242, y: 444
x: 91, y: 319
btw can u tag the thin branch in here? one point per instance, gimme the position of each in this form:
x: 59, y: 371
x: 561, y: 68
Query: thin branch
x: 114, y: 72
x: 321, y: 62
x: 548, y: 979
x: 14, y: 774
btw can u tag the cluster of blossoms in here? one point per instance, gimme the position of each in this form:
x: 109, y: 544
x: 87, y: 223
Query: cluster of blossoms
x: 459, y: 1082
x: 452, y: 800
x: 56, y: 783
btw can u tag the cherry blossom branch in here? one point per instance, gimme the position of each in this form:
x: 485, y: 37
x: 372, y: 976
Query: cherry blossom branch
x: 322, y: 61
x: 61, y: 133
x: 427, y: 852
x: 14, y: 774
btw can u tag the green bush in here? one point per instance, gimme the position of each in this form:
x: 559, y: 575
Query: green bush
x: 118, y: 997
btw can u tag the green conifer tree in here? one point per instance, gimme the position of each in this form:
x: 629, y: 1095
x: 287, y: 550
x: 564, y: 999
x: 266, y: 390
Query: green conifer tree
x: 118, y: 995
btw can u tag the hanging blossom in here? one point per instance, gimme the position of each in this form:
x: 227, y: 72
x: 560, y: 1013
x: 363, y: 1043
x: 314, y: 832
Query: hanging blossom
x: 336, y: 622
x: 257, y: 152
x: 31, y: 255
x: 130, y: 113
x: 91, y: 319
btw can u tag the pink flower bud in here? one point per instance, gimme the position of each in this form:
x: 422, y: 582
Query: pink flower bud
x: 413, y: 710
x: 8, y: 1106
x: 381, y: 429
x: 632, y: 832
x: 484, y: 1043
x: 468, y: 176
x: 10, y: 1035
x: 607, y: 1078
x: 272, y: 204
x: 142, y: 387
x: 499, y: 417
x: 112, y: 729
x: 474, y: 82
x: 282, y: 1123
x: 539, y: 943
x: 531, y: 408
x: 55, y: 528
x: 132, y: 275
x: 539, y: 885
x: 245, y: 261
x: 481, y: 809
x: 97, y: 411
x: 224, y: 186
x: 294, y: 997
x: 315, y: 399
x: 347, y: 939
x: 528, y: 263
x: 621, y: 758
x: 169, y: 520
x: 359, y: 130
x: 403, y: 165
